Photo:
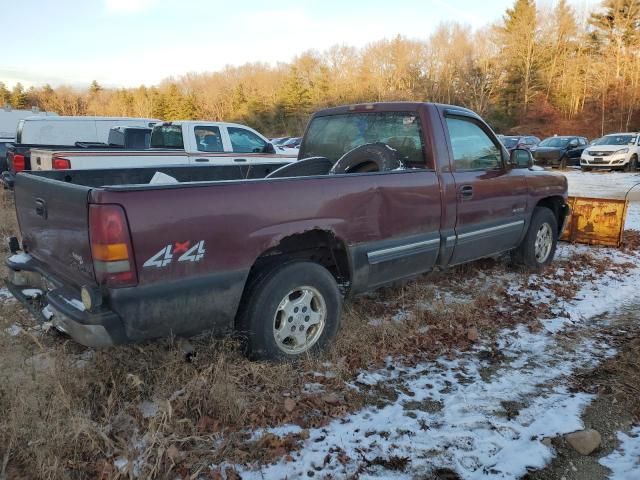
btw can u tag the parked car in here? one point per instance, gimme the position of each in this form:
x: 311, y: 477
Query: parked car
x: 559, y: 151
x: 60, y: 132
x: 527, y: 142
x: 120, y: 137
x: 9, y: 119
x: 290, y: 147
x: 279, y: 141
x: 383, y: 192
x: 192, y: 142
x: 293, y: 142
x: 616, y: 151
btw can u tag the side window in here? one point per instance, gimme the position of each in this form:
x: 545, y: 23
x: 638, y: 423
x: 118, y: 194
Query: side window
x: 208, y: 139
x: 472, y: 148
x: 245, y: 141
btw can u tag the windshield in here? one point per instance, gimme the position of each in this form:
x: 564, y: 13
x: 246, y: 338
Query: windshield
x: 167, y: 136
x: 556, y: 142
x: 510, y: 142
x: 335, y: 135
x: 615, y: 140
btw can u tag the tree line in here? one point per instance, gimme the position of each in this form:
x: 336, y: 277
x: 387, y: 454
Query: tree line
x: 539, y: 71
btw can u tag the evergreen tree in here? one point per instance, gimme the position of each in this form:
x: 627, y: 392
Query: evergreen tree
x: 5, y: 95
x: 19, y: 98
x: 296, y: 97
x: 95, y: 88
x: 520, y: 53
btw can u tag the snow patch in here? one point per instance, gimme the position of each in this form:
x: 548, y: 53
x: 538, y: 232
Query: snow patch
x: 32, y: 292
x: 75, y: 303
x: 148, y: 409
x: 14, y: 330
x: 624, y: 462
x: 468, y: 414
x: 20, y: 258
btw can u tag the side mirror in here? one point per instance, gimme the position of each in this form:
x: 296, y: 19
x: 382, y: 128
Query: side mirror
x: 269, y: 148
x: 521, y: 158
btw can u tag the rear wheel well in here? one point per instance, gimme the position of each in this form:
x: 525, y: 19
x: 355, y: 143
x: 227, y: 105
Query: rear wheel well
x: 319, y: 246
x: 555, y: 205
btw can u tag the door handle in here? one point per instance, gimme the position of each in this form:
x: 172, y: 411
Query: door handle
x: 466, y: 192
x: 202, y: 159
x: 239, y: 159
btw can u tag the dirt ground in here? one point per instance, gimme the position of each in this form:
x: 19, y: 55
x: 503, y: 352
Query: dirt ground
x: 150, y: 411
x: 616, y: 382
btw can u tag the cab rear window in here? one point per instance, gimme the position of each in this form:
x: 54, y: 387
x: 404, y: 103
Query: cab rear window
x: 167, y: 136
x: 335, y: 135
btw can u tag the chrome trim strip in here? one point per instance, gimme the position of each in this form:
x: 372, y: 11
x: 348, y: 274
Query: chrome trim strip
x: 490, y: 229
x: 376, y: 254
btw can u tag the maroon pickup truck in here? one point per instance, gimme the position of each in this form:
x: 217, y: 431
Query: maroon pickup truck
x: 381, y: 192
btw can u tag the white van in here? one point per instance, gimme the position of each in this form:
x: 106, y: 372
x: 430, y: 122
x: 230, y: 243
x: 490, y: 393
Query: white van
x: 69, y: 130
x: 10, y: 117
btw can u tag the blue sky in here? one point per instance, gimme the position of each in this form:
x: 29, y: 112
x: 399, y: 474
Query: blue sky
x: 133, y: 42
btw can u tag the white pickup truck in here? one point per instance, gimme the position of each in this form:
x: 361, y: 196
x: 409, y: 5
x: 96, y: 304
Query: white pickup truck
x: 190, y: 142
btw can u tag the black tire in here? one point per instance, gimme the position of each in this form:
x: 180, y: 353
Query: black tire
x: 586, y: 169
x: 303, y: 168
x: 372, y: 157
x: 259, y: 313
x: 632, y: 166
x: 526, y: 255
x: 563, y: 163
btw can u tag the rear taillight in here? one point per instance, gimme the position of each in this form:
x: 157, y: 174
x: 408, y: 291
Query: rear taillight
x: 61, y: 163
x: 111, y: 249
x: 18, y: 163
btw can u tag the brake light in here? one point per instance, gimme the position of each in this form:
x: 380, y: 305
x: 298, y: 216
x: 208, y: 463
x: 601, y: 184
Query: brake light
x: 113, y: 260
x: 362, y: 108
x: 61, y: 163
x: 18, y: 163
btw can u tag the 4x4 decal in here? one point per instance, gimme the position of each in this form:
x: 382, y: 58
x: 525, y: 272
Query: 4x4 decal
x: 167, y: 254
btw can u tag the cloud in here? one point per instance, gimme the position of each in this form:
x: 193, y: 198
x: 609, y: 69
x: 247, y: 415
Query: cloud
x: 127, y: 6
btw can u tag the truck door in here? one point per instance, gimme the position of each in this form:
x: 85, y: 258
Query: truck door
x: 208, y: 146
x: 491, y: 197
x: 249, y: 147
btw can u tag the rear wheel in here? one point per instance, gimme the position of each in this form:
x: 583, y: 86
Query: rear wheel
x: 290, y: 311
x: 539, y: 245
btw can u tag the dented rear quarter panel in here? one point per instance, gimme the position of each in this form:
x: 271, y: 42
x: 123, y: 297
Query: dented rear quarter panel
x: 238, y: 221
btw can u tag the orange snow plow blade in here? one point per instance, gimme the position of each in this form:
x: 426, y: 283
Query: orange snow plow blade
x: 596, y: 221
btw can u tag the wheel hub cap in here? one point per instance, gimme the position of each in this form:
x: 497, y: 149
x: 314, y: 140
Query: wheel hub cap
x: 299, y: 320
x: 543, y: 243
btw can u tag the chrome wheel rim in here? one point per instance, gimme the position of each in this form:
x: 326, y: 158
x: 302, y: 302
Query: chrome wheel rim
x: 544, y: 242
x: 299, y: 320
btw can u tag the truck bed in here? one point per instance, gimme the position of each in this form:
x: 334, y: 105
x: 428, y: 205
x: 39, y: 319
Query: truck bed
x: 141, y: 176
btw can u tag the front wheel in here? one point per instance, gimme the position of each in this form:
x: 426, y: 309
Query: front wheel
x: 586, y: 169
x: 292, y: 310
x: 563, y: 163
x: 632, y: 166
x: 539, y: 245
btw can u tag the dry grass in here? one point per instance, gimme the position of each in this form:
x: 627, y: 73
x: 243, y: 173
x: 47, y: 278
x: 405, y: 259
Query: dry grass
x: 69, y: 412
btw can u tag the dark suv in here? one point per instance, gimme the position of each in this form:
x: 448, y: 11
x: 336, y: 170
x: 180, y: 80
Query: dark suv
x: 560, y: 151
x: 527, y: 142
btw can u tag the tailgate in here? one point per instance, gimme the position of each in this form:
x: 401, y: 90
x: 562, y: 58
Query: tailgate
x: 53, y: 218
